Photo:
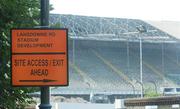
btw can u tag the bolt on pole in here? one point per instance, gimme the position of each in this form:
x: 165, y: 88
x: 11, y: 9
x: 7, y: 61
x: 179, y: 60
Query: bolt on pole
x: 45, y: 91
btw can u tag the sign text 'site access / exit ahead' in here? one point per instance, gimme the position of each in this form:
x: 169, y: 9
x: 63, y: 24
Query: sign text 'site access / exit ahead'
x: 39, y: 57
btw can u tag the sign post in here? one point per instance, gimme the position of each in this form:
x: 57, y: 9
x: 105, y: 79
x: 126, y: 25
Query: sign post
x: 45, y: 91
x: 39, y: 57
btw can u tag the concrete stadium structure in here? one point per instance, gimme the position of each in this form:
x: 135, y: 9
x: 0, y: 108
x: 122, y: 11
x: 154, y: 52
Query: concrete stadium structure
x: 117, y: 57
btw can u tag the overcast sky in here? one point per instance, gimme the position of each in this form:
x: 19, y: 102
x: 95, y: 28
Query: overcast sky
x: 137, y: 9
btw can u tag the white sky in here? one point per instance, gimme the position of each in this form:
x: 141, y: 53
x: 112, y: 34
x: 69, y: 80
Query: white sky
x: 135, y: 9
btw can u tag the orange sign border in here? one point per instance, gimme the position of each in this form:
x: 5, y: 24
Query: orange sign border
x: 65, y: 29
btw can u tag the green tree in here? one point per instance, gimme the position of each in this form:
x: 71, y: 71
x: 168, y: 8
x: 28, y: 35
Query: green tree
x: 14, y: 14
x: 151, y: 92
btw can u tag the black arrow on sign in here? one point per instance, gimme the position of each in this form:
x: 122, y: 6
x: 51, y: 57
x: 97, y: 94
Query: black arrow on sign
x: 44, y: 80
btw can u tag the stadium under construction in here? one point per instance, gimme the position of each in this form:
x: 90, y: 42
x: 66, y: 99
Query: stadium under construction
x: 117, y: 57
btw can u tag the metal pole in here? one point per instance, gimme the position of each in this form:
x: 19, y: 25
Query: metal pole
x: 140, y: 42
x: 73, y: 51
x: 162, y: 57
x: 45, y: 91
x: 177, y: 57
x: 100, y: 25
x: 44, y: 13
x: 127, y: 48
x: 127, y: 56
x: 73, y: 46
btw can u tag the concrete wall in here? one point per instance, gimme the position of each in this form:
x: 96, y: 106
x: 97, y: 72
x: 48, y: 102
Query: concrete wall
x: 80, y: 106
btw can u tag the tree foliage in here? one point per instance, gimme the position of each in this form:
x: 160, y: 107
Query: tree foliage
x: 150, y: 92
x: 14, y: 14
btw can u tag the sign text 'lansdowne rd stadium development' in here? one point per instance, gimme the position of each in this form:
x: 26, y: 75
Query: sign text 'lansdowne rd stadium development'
x: 39, y: 57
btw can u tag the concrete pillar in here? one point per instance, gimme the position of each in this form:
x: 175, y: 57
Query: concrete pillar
x: 165, y: 107
x: 176, y: 106
x: 119, y: 104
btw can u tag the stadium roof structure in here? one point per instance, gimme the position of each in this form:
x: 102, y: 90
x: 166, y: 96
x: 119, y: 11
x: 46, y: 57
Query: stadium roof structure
x: 110, y: 29
x: 171, y: 27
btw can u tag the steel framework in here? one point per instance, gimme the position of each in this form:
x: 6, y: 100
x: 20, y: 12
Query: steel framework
x: 110, y: 29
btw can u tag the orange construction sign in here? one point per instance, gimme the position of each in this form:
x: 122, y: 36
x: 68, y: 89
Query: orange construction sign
x: 39, y: 57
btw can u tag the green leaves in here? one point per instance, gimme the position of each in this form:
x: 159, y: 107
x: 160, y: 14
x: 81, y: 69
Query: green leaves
x: 13, y: 14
